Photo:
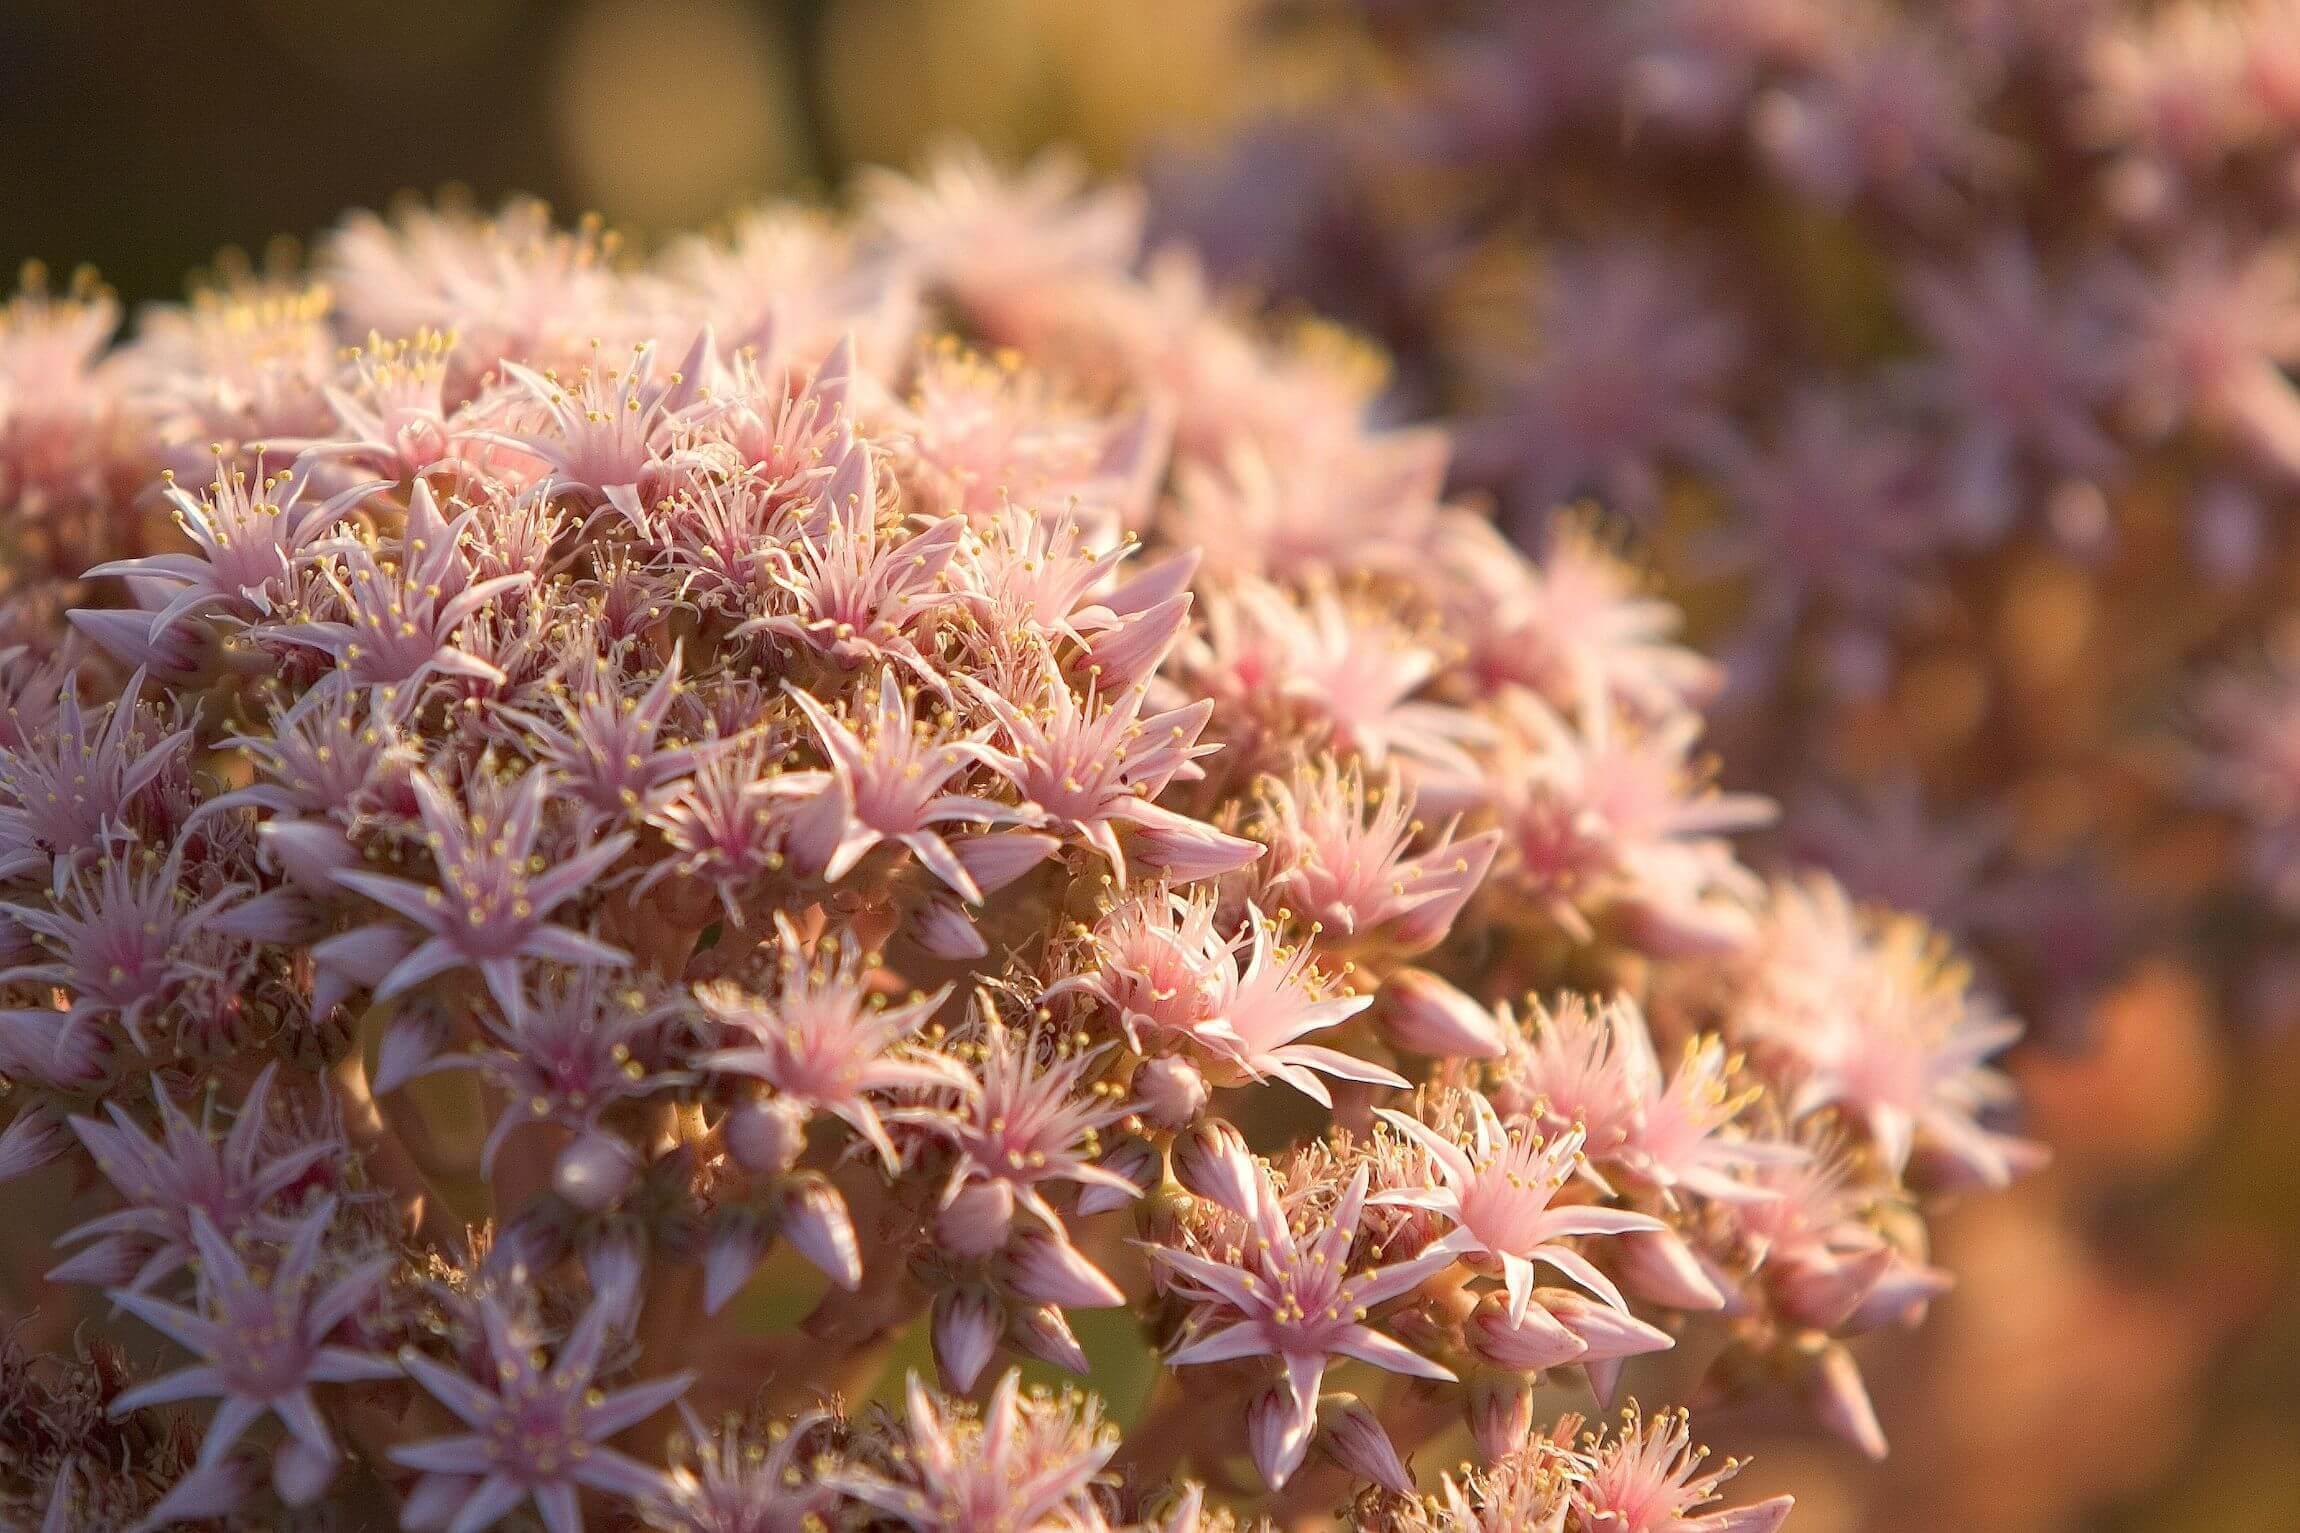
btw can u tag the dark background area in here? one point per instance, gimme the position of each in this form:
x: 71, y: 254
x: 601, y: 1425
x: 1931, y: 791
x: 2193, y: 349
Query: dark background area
x: 143, y: 138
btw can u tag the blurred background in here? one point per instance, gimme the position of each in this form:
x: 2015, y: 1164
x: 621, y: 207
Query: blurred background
x: 2123, y: 1351
x: 144, y: 138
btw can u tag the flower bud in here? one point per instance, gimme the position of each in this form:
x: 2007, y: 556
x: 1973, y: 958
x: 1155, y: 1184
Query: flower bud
x: 1422, y: 1014
x: 1538, y: 1340
x: 1053, y: 1271
x: 302, y: 1473
x: 1659, y: 1267
x: 616, y: 1268
x: 1277, y: 1435
x: 411, y: 1047
x: 1042, y: 1332
x: 1608, y: 1334
x: 996, y: 860
x: 978, y: 1220
x: 594, y: 1171
x: 942, y: 926
x: 738, y: 1243
x: 967, y: 1325
x: 1819, y: 1288
x: 1134, y: 1159
x: 1500, y: 1407
x: 1212, y: 1161
x: 765, y: 1136
x: 1840, y: 1402
x: 33, y: 1138
x: 1899, y: 1296
x: 815, y: 1222
x: 1172, y: 1091
x: 1352, y: 1436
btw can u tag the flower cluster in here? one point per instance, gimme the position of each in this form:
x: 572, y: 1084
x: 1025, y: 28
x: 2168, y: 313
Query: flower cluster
x: 1940, y: 354
x: 657, y: 829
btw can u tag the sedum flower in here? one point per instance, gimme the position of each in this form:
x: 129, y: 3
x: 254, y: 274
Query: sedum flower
x: 1030, y: 1113
x: 488, y: 906
x: 1648, y: 1479
x: 395, y: 617
x: 1499, y: 1191
x: 821, y: 1041
x: 234, y: 1184
x: 261, y: 1337
x: 1283, y: 1289
x: 737, y: 1485
x: 538, y: 1427
x: 1021, y: 1462
x: 886, y: 782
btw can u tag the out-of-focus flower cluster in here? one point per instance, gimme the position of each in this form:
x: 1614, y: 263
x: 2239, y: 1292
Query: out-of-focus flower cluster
x: 587, y: 844
x: 1939, y: 359
x: 1938, y: 353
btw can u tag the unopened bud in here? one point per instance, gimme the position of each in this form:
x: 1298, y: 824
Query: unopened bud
x: 1352, y: 1436
x: 1840, y: 1402
x: 1659, y: 1267
x: 766, y: 1136
x: 967, y: 1324
x: 1053, y: 1271
x: 978, y: 1220
x: 1422, y: 1014
x: 1212, y: 1161
x: 302, y: 1473
x: 1537, y: 1340
x: 1500, y: 1408
x: 1172, y: 1092
x: 815, y: 1222
x: 1042, y: 1332
x: 1278, y: 1435
x: 594, y: 1171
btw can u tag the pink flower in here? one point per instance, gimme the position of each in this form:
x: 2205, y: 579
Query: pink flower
x: 487, y: 908
x: 249, y: 538
x: 1084, y: 767
x: 994, y: 240
x: 1023, y: 1461
x: 1611, y: 814
x: 885, y: 782
x: 1284, y: 1290
x: 1631, y: 367
x: 1272, y: 1001
x: 1499, y: 1193
x: 732, y: 1487
x: 823, y: 1041
x: 988, y: 440
x: 398, y: 607
x: 539, y: 1427
x: 2024, y: 366
x: 67, y: 791
x: 607, y: 437
x: 580, y: 1043
x: 184, y: 1170
x: 1648, y: 1479
x: 611, y: 748
x: 261, y: 1336
x: 724, y: 826
x: 1874, y: 1021
x: 1572, y: 625
x: 1031, y: 1114
x: 1339, y: 847
x: 119, y: 937
x: 852, y: 591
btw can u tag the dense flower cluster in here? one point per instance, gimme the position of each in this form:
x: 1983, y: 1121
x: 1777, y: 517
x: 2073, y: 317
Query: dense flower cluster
x: 1939, y: 355
x: 655, y: 829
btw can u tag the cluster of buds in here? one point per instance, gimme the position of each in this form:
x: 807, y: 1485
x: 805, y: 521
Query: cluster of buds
x: 658, y: 829
x: 1941, y: 353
